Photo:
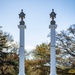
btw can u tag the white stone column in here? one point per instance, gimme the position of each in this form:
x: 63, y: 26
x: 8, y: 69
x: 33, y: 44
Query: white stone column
x: 53, y: 50
x: 22, y: 26
x: 21, y: 51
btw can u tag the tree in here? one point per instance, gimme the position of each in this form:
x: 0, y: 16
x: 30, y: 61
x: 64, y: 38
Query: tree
x: 42, y: 52
x: 40, y: 63
x: 8, y: 61
x: 66, y: 43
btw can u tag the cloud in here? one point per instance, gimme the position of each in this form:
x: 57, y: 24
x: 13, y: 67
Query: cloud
x: 29, y: 48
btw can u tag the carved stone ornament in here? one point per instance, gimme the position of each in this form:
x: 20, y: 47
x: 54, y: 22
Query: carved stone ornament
x: 22, y: 16
x: 53, y: 15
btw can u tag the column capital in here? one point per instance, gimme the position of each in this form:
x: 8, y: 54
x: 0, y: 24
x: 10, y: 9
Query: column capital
x: 22, y: 26
x: 52, y: 26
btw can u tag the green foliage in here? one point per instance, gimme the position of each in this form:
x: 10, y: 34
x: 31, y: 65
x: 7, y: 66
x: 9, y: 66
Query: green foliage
x: 72, y: 71
x: 36, y: 67
x: 3, y: 41
x: 41, y: 58
x: 9, y: 65
x: 42, y: 52
x: 8, y: 61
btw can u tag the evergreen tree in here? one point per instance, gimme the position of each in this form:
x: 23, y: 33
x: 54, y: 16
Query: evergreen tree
x: 8, y: 60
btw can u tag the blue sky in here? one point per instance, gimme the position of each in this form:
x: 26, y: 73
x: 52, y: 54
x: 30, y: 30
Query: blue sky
x: 37, y: 18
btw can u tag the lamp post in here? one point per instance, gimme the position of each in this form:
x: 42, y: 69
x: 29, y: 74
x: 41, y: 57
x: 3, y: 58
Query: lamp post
x: 22, y: 26
x: 53, y: 26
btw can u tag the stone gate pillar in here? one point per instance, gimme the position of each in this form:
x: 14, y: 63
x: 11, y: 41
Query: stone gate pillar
x: 22, y: 26
x: 52, y: 27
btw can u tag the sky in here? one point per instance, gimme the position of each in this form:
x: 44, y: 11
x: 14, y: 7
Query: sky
x: 37, y: 19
